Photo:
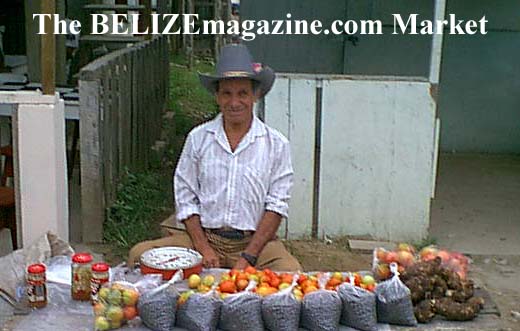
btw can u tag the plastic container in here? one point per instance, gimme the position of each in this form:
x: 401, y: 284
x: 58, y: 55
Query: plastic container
x: 81, y: 276
x: 100, y: 276
x: 36, y: 286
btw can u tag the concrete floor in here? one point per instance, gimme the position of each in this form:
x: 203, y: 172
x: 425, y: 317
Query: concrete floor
x: 476, y: 209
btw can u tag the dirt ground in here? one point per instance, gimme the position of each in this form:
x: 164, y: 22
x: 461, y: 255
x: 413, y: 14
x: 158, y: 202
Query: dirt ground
x: 500, y: 275
x: 318, y: 256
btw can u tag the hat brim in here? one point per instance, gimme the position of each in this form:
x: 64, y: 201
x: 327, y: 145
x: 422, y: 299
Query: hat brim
x: 265, y: 79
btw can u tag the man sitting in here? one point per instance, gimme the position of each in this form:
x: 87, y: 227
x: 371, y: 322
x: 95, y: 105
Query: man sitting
x: 233, y: 179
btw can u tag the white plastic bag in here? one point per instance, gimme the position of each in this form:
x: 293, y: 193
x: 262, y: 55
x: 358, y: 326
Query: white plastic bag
x: 281, y: 311
x: 157, y: 307
x: 242, y: 311
x: 321, y: 310
x: 200, y: 311
x: 394, y: 303
x: 359, y: 307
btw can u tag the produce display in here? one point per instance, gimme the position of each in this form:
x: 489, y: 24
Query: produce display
x: 158, y: 307
x: 405, y: 287
x: 359, y: 307
x: 321, y: 308
x: 393, y: 301
x: 405, y: 255
x: 281, y: 311
x: 241, y: 309
x: 198, y: 311
x: 117, y: 305
x: 436, y: 289
x: 453, y: 261
x: 437, y: 280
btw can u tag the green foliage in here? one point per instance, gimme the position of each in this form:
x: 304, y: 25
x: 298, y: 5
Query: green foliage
x: 141, y: 199
x: 424, y: 242
x: 191, y: 103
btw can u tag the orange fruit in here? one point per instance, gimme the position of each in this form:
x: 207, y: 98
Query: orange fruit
x: 334, y: 282
x: 265, y: 278
x: 242, y: 284
x: 250, y: 270
x: 357, y: 279
x: 269, y: 272
x: 286, y: 278
x: 234, y: 272
x: 309, y: 289
x: 242, y: 275
x: 274, y: 282
x: 307, y: 283
x: 130, y: 312
x: 266, y: 290
x: 228, y: 286
x: 99, y: 309
x: 301, y: 278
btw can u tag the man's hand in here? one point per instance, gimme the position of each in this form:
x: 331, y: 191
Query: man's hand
x: 200, y: 242
x: 264, y: 233
x: 241, y: 264
x: 210, y: 258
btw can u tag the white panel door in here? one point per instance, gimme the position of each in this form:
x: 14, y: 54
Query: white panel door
x: 378, y: 141
x: 290, y: 108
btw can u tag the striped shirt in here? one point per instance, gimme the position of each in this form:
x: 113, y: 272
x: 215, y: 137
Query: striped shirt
x: 233, y: 188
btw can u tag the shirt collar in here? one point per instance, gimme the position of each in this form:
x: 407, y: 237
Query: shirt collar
x: 216, y: 126
x: 257, y: 128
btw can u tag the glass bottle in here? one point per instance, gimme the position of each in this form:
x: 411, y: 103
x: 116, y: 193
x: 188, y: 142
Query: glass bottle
x: 81, y: 275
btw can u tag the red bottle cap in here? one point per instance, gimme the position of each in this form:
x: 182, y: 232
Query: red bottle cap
x: 100, y: 267
x: 37, y: 268
x: 82, y: 258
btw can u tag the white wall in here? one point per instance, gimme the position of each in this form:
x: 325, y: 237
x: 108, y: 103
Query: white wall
x: 290, y: 108
x: 376, y: 154
x: 39, y: 164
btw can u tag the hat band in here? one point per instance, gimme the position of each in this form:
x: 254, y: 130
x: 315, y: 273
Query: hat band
x: 236, y: 74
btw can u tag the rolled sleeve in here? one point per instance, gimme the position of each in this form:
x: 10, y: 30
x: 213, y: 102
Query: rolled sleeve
x: 185, y: 183
x: 279, y: 193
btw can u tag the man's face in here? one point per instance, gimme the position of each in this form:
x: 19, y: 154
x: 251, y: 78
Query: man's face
x: 235, y: 98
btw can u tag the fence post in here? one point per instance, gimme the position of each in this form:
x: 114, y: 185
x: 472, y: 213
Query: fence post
x: 92, y: 192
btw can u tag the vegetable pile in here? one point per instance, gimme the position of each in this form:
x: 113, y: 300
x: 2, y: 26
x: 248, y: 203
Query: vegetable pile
x: 438, y: 290
x: 436, y: 279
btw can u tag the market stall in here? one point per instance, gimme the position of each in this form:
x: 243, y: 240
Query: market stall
x: 248, y: 299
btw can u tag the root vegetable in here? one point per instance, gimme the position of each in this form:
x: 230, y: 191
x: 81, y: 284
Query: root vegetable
x: 424, y: 311
x: 456, y: 311
x: 424, y: 268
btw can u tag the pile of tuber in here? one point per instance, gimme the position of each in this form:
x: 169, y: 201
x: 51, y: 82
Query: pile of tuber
x: 438, y: 290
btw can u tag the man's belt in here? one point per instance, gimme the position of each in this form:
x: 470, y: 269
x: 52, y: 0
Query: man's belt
x: 230, y: 233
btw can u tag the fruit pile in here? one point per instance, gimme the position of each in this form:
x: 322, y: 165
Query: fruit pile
x: 117, y: 304
x: 366, y: 282
x: 268, y: 282
x: 453, y: 261
x: 405, y: 256
x: 250, y: 296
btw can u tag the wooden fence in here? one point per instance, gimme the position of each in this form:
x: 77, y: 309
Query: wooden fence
x: 122, y: 96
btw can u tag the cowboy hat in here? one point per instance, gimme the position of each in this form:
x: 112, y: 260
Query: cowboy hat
x: 235, y: 61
